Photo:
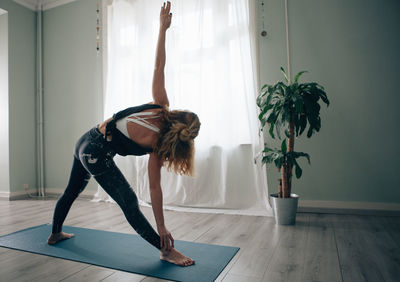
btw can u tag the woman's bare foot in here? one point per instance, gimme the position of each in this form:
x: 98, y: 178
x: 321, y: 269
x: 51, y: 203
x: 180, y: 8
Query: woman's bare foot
x: 56, y: 237
x: 175, y: 257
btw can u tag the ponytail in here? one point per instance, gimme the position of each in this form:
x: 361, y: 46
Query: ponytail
x: 175, y: 146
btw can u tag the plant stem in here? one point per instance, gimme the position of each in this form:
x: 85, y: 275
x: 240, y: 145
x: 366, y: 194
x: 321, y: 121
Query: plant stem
x: 280, y: 188
x: 284, y: 180
x: 290, y: 149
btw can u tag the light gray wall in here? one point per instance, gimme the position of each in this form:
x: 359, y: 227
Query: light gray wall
x: 351, y: 48
x: 72, y: 79
x: 4, y: 156
x: 22, y: 83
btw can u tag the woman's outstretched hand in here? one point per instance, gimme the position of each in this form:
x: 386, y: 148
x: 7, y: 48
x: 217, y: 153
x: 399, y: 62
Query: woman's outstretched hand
x: 166, y: 239
x: 165, y: 16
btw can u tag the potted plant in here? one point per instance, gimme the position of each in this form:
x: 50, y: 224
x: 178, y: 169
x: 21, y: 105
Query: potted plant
x: 288, y: 108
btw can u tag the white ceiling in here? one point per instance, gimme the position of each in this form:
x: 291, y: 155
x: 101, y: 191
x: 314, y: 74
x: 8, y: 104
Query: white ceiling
x: 42, y: 4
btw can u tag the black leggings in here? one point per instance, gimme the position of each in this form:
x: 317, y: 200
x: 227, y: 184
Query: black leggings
x: 94, y: 156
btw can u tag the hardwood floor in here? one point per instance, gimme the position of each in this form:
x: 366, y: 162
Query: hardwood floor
x: 320, y: 247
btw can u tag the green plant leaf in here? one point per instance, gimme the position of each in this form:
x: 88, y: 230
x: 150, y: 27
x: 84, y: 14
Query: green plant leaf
x: 264, y: 111
x: 266, y: 160
x: 268, y: 100
x: 271, y: 130
x: 301, y: 154
x: 267, y: 150
x: 276, y: 99
x: 324, y: 98
x: 288, y: 92
x: 284, y: 74
x: 296, y: 122
x: 278, y: 126
x: 259, y: 100
x: 283, y: 146
x: 303, y: 123
x: 261, y: 115
x: 298, y: 170
x: 270, y: 116
x: 310, y: 132
x: 285, y: 114
x: 278, y: 162
x: 282, y: 89
x: 296, y: 79
x: 299, y: 105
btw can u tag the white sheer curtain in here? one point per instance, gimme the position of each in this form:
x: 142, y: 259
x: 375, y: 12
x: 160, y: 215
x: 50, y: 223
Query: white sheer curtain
x: 211, y: 70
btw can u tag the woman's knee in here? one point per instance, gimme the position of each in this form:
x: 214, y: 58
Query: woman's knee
x: 69, y: 196
x: 74, y: 188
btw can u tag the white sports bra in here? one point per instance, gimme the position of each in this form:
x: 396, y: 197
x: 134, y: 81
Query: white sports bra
x: 122, y: 124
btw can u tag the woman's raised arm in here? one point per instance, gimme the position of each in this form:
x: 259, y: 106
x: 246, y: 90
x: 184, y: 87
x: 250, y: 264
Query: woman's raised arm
x: 158, y: 88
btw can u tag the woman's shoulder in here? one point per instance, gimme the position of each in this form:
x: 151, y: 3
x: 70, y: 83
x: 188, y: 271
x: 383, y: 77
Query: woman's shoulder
x: 160, y: 105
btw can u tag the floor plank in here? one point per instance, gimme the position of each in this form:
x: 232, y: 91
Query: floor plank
x: 90, y: 273
x: 254, y: 259
x: 287, y: 261
x: 121, y: 276
x: 233, y: 230
x: 321, y: 259
x: 23, y: 266
x: 240, y: 278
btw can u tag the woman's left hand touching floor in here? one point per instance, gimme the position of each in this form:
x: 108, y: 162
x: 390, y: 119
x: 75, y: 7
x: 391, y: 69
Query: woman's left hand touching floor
x: 166, y: 239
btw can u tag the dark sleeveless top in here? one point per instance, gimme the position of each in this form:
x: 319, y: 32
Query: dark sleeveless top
x: 121, y: 144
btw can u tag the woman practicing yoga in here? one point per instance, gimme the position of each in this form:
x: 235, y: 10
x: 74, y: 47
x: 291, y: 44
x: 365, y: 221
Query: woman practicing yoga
x: 147, y: 129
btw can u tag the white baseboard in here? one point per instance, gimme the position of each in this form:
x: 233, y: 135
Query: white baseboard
x: 4, y: 196
x: 347, y: 207
x: 32, y: 193
x: 19, y: 195
x: 86, y: 194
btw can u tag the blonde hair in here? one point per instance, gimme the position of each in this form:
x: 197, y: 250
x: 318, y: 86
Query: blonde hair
x: 175, y: 145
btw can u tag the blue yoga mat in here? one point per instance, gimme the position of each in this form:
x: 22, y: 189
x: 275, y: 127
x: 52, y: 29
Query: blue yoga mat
x: 125, y: 252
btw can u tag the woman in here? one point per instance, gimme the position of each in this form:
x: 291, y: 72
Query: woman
x: 150, y: 128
